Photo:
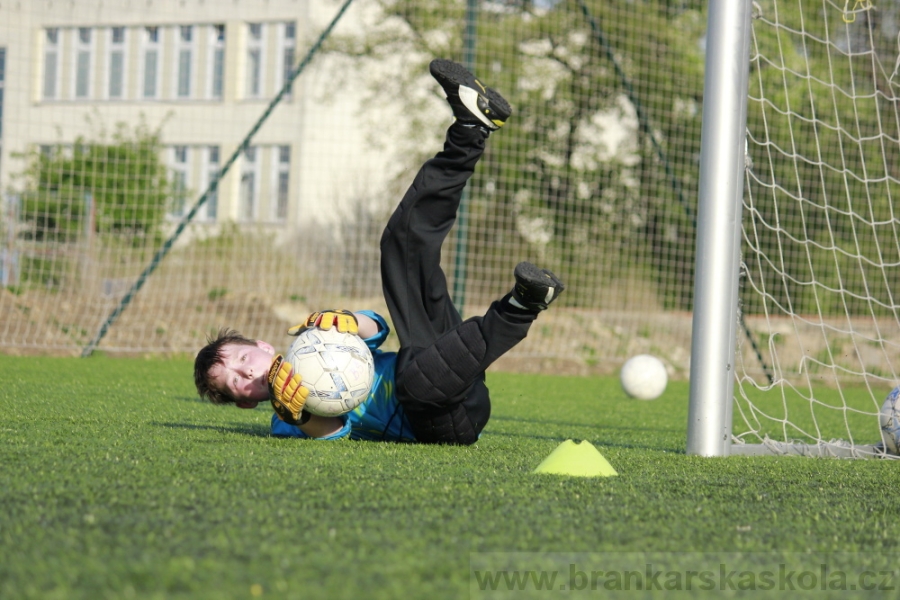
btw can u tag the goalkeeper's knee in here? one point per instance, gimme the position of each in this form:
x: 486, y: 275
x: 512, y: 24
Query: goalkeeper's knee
x: 445, y: 425
x: 444, y: 371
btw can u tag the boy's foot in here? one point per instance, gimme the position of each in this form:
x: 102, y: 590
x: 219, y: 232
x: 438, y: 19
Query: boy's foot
x: 535, y: 287
x: 473, y: 103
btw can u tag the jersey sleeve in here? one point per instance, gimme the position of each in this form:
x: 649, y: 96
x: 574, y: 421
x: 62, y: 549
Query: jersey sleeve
x: 282, y: 429
x: 383, y: 329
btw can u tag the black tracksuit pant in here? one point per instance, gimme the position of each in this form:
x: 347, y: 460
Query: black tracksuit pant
x: 442, y: 359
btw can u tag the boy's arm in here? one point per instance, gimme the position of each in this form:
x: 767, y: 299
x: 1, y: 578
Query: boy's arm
x: 368, y: 327
x: 318, y: 427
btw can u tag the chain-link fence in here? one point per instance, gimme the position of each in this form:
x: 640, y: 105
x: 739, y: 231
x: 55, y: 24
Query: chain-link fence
x: 117, y: 121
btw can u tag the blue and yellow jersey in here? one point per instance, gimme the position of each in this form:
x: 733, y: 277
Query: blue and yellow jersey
x: 380, y: 417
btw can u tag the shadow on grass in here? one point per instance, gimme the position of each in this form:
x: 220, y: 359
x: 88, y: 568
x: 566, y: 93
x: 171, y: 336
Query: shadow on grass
x: 544, y: 422
x: 606, y: 443
x: 254, y: 430
x: 597, y: 441
x: 264, y: 431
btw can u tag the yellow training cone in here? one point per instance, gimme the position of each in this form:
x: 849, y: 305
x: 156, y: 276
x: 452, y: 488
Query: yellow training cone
x: 577, y: 460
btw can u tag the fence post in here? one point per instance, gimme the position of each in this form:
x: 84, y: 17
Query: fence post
x: 462, y: 222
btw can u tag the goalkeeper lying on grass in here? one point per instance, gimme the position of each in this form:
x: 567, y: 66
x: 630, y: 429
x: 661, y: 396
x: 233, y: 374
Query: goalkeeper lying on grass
x: 432, y: 390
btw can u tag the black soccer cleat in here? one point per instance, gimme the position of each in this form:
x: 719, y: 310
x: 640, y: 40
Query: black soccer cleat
x: 473, y: 103
x: 535, y: 287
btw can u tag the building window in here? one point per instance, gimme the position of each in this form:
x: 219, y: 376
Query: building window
x: 51, y: 63
x: 212, y: 173
x: 254, y: 60
x: 249, y: 184
x: 116, y: 68
x: 150, y: 63
x: 217, y: 62
x: 185, y: 60
x: 288, y: 43
x: 282, y: 182
x: 83, y: 60
x: 2, y: 85
x: 180, y: 180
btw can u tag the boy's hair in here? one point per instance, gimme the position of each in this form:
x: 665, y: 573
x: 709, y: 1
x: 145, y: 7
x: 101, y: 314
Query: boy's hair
x: 211, y: 355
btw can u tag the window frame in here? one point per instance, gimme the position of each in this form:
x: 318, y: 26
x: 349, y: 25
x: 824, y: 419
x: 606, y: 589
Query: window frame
x: 184, y: 58
x: 212, y: 164
x: 180, y: 171
x: 2, y: 88
x: 216, y: 57
x: 287, y: 46
x: 148, y: 44
x: 83, y: 56
x: 281, y: 171
x: 113, y: 48
x: 248, y: 208
x: 255, y: 80
x: 51, y: 50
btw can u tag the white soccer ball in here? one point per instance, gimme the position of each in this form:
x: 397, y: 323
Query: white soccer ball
x: 644, y: 377
x: 890, y: 422
x: 337, y: 369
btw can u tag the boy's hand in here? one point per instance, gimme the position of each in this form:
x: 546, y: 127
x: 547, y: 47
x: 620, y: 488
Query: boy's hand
x: 344, y: 320
x: 285, y: 392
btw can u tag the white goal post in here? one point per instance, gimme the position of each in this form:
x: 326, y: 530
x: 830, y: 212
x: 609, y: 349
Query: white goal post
x: 718, y: 227
x: 797, y: 238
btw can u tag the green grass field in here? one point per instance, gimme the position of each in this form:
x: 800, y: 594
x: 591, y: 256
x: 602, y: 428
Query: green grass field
x: 117, y: 482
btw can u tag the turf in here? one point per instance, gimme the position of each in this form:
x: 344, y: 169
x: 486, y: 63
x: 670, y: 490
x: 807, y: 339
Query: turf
x: 117, y: 482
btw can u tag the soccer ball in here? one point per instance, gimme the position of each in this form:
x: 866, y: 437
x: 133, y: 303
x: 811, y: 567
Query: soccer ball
x: 644, y: 377
x: 337, y: 369
x: 890, y: 422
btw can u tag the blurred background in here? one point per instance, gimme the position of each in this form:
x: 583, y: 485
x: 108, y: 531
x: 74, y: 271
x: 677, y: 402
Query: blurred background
x: 169, y: 167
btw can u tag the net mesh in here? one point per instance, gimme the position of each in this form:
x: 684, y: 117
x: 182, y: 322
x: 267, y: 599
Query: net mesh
x: 821, y: 246
x: 589, y: 178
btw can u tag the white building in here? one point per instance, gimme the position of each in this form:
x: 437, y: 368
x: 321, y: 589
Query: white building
x: 204, y: 72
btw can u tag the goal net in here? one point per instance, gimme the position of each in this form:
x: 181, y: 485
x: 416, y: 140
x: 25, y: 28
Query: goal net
x: 821, y: 235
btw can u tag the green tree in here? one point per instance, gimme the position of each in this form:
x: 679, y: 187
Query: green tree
x: 823, y: 124
x: 119, y: 186
x: 572, y: 70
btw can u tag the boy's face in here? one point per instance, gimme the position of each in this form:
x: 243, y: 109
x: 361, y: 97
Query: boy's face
x: 243, y: 372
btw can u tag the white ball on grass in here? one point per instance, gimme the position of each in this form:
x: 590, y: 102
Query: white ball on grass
x: 890, y: 422
x: 644, y: 377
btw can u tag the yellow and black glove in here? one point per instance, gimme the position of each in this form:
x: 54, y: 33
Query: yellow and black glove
x: 285, y: 392
x: 343, y: 320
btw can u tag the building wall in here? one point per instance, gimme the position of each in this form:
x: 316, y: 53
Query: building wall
x: 327, y: 164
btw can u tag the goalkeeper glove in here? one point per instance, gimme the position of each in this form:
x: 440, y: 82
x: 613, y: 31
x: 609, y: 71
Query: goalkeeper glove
x: 285, y: 392
x: 344, y: 320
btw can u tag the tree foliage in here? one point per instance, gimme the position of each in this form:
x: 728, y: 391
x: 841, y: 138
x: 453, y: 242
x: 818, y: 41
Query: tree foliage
x: 576, y: 73
x: 113, y: 187
x: 823, y: 129
x: 823, y: 126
